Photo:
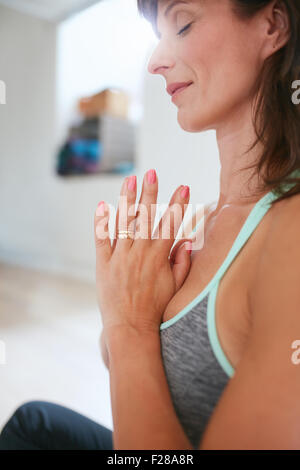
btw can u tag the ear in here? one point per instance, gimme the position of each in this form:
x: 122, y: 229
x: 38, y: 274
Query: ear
x: 277, y: 26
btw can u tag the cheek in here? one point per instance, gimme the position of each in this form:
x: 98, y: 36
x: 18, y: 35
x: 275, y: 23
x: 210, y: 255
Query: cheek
x: 223, y: 60
x: 239, y: 69
x: 224, y: 70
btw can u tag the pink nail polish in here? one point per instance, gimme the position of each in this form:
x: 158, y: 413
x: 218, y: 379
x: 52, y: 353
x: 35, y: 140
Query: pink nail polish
x: 185, y: 192
x: 100, y: 209
x: 151, y: 176
x: 189, y: 247
x: 131, y: 183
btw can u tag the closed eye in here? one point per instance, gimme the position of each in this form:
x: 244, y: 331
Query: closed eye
x: 184, y: 29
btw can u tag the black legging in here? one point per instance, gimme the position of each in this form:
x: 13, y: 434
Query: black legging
x: 39, y: 425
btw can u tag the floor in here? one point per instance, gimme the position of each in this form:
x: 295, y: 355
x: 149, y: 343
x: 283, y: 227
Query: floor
x: 49, y: 344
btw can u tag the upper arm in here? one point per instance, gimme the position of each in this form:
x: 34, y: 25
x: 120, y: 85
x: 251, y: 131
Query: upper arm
x: 260, y: 407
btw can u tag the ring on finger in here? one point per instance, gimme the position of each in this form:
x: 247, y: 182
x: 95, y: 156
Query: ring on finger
x: 123, y: 234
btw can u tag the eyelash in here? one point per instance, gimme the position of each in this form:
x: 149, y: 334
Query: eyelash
x: 184, y: 29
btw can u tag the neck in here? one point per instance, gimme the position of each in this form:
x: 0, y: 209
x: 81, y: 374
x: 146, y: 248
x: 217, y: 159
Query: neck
x: 234, y: 138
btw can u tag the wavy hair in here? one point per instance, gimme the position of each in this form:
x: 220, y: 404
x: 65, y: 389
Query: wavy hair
x: 276, y: 113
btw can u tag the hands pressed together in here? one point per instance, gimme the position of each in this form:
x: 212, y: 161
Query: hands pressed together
x: 136, y: 277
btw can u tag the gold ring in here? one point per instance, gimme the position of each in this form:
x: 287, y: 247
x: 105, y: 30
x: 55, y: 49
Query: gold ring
x: 124, y: 234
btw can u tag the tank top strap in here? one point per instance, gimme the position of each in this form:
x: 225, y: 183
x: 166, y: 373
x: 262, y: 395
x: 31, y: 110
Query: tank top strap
x: 252, y: 221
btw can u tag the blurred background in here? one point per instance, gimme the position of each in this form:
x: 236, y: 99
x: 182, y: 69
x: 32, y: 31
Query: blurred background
x: 78, y: 112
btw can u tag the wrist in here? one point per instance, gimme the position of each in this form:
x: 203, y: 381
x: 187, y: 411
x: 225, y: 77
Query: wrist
x: 122, y: 331
x: 124, y: 339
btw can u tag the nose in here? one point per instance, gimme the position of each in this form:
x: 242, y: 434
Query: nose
x: 159, y: 61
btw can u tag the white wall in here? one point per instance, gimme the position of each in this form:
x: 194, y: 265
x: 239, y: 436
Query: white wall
x: 45, y: 221
x: 98, y: 49
x: 180, y: 157
x: 53, y: 10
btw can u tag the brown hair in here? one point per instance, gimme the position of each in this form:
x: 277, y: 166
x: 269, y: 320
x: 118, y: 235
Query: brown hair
x: 276, y: 118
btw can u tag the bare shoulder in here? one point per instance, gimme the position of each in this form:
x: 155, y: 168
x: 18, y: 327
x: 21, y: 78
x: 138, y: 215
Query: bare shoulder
x: 278, y: 270
x: 285, y: 225
x: 285, y: 209
x: 266, y: 384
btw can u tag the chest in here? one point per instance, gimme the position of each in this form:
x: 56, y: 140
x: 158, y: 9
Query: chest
x: 232, y: 311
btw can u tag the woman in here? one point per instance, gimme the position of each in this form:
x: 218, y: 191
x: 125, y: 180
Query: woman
x: 215, y: 370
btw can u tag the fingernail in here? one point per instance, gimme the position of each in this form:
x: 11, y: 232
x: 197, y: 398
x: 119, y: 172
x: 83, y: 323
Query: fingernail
x: 100, y: 209
x: 189, y: 247
x: 151, y: 176
x: 131, y: 183
x: 185, y: 192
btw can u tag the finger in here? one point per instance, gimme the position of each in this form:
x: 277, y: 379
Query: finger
x: 146, y: 210
x: 127, y: 215
x: 122, y: 193
x: 101, y: 232
x: 182, y: 264
x: 157, y: 232
x: 117, y: 215
x: 176, y: 248
x: 171, y: 221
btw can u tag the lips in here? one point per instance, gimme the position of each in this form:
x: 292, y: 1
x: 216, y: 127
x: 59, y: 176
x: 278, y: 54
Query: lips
x: 175, y: 86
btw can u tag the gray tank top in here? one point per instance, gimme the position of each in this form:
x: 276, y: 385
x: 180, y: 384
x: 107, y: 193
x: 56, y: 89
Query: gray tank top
x: 195, y: 364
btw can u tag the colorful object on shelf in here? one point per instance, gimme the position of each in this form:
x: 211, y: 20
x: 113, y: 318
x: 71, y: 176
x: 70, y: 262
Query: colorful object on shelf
x: 100, y: 144
x: 79, y: 156
x: 108, y: 101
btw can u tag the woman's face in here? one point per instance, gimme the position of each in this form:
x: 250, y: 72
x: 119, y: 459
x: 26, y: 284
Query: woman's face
x: 218, y: 52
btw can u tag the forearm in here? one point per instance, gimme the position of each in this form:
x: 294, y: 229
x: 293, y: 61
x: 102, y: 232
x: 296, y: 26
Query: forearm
x: 142, y: 408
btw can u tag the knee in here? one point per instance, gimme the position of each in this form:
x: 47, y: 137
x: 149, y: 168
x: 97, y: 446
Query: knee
x: 28, y: 416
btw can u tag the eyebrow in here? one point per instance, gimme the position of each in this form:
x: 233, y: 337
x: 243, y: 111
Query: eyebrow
x: 169, y: 8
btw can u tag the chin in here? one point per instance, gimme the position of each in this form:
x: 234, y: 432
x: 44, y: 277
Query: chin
x: 189, y: 125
